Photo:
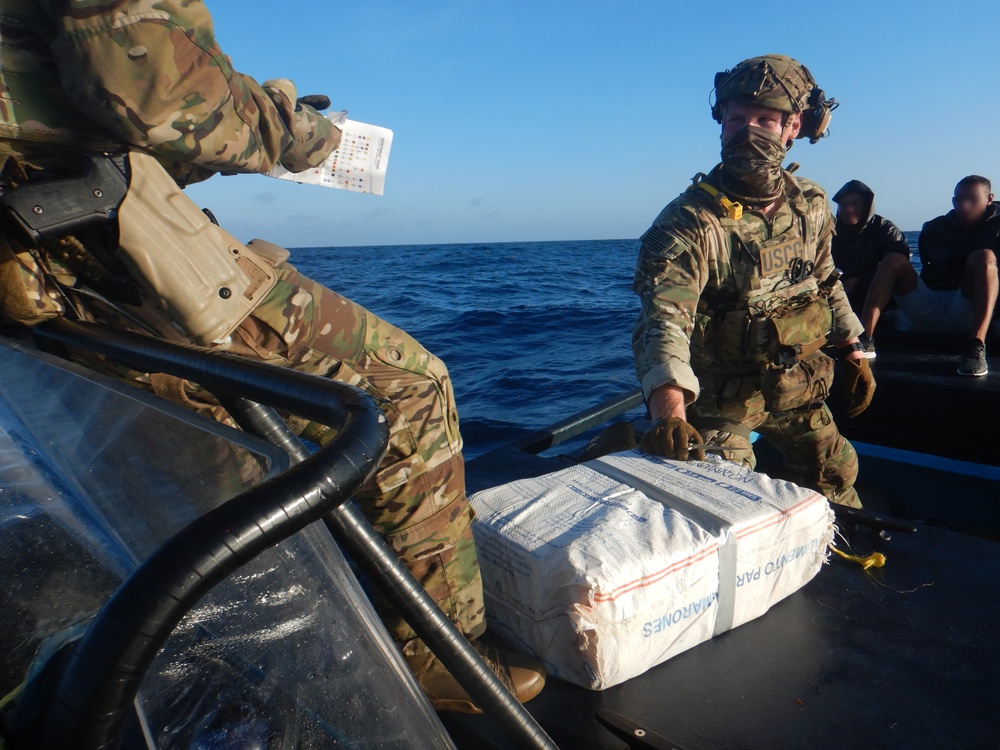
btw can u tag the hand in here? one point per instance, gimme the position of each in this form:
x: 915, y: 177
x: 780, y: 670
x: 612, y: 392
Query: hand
x: 670, y: 438
x: 859, y: 385
x: 313, y: 136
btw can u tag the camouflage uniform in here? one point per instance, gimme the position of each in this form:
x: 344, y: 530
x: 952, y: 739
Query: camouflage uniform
x: 417, y: 499
x: 149, y: 74
x: 696, y: 271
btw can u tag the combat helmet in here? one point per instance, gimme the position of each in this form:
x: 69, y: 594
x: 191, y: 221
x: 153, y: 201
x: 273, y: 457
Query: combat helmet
x: 777, y: 82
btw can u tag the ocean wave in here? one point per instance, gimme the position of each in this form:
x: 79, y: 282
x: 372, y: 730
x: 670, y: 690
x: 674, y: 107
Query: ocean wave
x: 531, y: 332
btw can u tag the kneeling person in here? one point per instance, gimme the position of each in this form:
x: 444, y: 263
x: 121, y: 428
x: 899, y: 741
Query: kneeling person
x: 739, y: 293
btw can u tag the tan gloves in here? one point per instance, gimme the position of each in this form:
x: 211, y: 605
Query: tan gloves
x: 670, y: 438
x: 859, y: 386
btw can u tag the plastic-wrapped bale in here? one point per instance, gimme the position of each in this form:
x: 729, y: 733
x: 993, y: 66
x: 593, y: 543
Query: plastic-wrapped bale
x: 607, y: 569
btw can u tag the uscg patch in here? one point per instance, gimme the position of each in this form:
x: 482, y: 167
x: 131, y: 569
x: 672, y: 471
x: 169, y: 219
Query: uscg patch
x: 777, y: 259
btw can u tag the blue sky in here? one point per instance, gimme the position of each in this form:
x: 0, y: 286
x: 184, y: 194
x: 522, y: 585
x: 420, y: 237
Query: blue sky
x: 521, y: 121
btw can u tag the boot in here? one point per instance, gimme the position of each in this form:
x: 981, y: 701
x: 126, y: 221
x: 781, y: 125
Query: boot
x: 522, y: 675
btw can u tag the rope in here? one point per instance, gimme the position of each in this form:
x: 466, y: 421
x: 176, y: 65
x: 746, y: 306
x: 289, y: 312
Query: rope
x: 874, y: 560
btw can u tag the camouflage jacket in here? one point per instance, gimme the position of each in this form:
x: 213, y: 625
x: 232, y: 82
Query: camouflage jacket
x: 148, y: 73
x: 694, y: 268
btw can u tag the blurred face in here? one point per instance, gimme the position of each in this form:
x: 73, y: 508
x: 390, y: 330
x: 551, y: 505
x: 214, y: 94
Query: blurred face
x: 970, y: 203
x: 852, y: 209
x: 739, y: 115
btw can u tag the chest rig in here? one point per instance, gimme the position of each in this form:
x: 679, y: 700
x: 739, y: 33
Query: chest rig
x: 772, y: 317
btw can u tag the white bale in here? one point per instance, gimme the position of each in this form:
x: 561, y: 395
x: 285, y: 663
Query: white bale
x: 607, y: 569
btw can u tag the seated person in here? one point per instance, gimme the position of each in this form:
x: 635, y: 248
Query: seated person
x: 149, y: 78
x: 862, y: 240
x: 957, y: 287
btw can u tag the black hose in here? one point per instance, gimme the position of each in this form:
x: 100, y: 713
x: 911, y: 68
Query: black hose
x: 401, y: 589
x: 94, y: 693
x: 266, y: 423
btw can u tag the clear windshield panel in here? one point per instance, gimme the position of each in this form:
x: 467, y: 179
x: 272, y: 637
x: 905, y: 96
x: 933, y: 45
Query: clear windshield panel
x: 275, y: 653
x: 94, y: 475
x: 58, y: 565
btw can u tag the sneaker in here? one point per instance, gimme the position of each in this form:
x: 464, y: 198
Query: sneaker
x: 869, y: 346
x: 522, y: 675
x: 973, y: 361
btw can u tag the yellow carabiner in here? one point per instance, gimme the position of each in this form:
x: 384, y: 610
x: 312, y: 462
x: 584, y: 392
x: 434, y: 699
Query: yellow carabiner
x: 733, y: 209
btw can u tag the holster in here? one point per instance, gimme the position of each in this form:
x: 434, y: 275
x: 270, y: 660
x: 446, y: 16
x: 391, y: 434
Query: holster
x: 193, y: 271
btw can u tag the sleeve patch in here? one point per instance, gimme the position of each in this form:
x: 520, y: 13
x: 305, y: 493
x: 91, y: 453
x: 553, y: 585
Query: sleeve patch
x: 662, y: 244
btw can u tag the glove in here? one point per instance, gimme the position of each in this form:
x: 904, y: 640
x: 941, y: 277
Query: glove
x: 319, y: 102
x: 670, y: 438
x: 314, y: 137
x: 859, y: 386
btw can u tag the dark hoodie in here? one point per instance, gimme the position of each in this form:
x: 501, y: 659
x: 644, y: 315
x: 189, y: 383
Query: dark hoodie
x: 858, y: 250
x: 945, y: 246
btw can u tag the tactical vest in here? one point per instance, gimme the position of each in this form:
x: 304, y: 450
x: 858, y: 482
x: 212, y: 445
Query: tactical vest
x: 779, y: 319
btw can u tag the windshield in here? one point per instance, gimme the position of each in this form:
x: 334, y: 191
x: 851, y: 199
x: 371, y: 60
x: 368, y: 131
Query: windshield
x: 287, y: 653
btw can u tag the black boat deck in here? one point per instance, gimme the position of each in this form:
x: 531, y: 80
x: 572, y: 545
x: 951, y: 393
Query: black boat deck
x: 903, y: 656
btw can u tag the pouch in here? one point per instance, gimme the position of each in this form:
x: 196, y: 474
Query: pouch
x: 808, y: 380
x: 25, y: 294
x: 793, y: 331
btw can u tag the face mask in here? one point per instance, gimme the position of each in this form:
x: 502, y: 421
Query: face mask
x: 751, y: 166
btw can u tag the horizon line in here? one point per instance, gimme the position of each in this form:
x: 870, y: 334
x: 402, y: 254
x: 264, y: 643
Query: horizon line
x: 487, y: 242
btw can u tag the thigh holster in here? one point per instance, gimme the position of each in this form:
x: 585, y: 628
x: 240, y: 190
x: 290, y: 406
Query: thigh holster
x: 193, y: 271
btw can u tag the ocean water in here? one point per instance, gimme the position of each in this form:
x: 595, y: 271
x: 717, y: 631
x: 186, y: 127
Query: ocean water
x: 532, y: 332
x: 911, y: 240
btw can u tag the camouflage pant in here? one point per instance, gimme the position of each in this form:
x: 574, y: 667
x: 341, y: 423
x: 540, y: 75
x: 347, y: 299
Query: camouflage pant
x: 416, y: 500
x: 816, y: 454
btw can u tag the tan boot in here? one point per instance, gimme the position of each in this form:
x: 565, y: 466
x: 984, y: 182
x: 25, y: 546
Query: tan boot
x: 522, y: 675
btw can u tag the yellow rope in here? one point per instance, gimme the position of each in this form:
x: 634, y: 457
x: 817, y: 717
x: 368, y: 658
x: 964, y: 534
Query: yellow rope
x: 12, y: 696
x: 874, y: 560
